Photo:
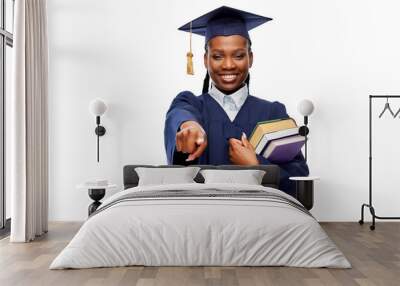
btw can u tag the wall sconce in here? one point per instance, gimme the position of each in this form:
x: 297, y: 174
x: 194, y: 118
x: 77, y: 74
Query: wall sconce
x: 305, y: 107
x: 97, y: 107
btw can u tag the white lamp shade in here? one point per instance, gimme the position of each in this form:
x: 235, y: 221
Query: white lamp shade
x: 305, y: 107
x: 97, y: 107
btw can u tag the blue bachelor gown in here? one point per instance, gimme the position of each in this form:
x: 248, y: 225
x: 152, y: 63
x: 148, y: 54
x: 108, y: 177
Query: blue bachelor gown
x: 219, y: 129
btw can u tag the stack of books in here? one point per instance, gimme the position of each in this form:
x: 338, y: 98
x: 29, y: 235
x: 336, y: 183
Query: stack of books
x: 277, y: 140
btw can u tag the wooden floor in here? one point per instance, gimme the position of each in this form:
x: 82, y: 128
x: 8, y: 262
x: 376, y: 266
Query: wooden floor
x: 374, y: 255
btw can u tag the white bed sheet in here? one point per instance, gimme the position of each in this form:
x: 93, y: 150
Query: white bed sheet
x: 200, y: 231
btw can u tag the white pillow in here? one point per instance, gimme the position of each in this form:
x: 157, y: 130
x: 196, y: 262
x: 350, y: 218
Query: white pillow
x: 163, y: 176
x: 249, y: 177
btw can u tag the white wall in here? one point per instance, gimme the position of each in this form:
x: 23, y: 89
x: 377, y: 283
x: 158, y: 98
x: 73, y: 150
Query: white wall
x: 130, y: 54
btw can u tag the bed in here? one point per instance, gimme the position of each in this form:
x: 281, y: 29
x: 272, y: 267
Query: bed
x: 201, y: 224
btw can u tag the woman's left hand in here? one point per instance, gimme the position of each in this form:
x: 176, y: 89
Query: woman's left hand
x: 242, y: 152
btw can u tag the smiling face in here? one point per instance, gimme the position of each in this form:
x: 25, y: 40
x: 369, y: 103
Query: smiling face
x: 228, y: 59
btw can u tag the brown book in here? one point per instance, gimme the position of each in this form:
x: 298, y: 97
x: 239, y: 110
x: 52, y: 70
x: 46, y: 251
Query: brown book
x: 264, y: 127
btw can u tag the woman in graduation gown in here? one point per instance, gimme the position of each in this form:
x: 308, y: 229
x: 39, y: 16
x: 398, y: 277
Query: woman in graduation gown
x: 212, y: 128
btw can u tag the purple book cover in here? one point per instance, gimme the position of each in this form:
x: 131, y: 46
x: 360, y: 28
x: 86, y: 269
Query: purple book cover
x: 283, y: 153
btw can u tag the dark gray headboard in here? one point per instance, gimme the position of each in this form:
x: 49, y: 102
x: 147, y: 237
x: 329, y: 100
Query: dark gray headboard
x: 270, y: 179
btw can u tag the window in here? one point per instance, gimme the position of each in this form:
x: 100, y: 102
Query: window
x: 6, y: 44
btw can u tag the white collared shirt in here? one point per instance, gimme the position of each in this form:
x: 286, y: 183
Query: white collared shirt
x: 231, y: 108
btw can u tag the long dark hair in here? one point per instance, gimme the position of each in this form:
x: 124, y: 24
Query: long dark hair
x: 206, y: 82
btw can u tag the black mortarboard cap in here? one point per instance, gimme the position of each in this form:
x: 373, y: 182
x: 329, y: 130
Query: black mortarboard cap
x: 224, y: 21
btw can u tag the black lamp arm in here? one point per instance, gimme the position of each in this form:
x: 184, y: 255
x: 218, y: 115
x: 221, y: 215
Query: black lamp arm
x: 305, y: 120
x: 303, y: 131
x: 100, y: 131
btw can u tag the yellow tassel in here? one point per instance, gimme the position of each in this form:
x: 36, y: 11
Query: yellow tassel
x: 189, y: 56
x: 189, y: 66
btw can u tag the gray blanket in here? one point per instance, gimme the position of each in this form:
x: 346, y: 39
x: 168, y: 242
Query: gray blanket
x: 213, y: 193
x: 201, y: 224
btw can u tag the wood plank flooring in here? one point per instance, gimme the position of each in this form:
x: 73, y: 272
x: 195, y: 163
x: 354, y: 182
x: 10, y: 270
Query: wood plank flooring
x: 374, y: 255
